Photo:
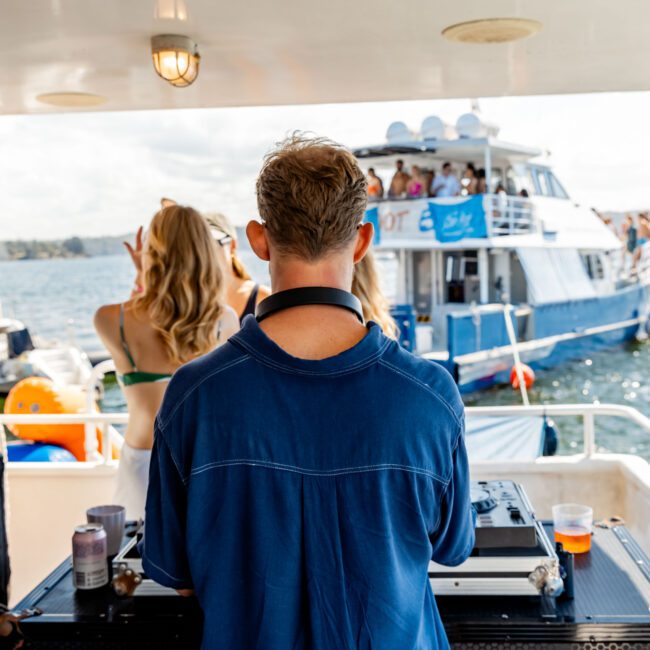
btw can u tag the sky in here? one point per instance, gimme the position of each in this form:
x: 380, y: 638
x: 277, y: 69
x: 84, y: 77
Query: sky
x: 93, y: 174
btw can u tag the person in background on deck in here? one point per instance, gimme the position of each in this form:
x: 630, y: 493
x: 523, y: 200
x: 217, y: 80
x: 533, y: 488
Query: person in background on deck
x: 429, y: 175
x: 629, y: 234
x: 399, y: 181
x: 308, y: 522
x: 375, y: 185
x: 366, y: 287
x: 481, y: 183
x: 415, y: 187
x: 446, y: 184
x: 643, y: 238
x: 175, y: 314
x: 470, y: 180
x: 243, y: 294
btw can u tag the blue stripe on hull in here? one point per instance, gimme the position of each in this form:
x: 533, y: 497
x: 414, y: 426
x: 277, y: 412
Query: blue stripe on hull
x: 549, y: 321
x: 568, y: 351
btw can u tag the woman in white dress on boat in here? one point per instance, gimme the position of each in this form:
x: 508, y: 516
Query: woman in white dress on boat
x: 175, y: 314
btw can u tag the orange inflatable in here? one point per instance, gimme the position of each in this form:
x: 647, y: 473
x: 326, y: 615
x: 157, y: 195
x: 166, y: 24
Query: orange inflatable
x: 36, y: 395
x: 527, y: 372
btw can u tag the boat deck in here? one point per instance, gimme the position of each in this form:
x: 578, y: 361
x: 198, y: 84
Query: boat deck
x: 612, y: 597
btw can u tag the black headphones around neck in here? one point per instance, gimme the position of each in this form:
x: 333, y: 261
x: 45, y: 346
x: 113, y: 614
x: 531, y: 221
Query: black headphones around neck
x: 308, y: 296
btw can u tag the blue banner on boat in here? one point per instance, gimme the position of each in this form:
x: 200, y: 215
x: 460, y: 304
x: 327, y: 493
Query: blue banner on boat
x: 455, y: 221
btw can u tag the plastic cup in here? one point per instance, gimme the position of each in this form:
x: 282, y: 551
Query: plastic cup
x: 572, y: 524
x: 113, y: 518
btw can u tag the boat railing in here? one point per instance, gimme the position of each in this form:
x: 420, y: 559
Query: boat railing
x: 487, y: 215
x: 508, y: 215
x: 97, y: 421
x: 588, y: 413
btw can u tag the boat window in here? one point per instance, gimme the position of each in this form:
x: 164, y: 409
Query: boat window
x: 422, y: 287
x: 511, y: 181
x: 594, y: 265
x: 529, y: 182
x: 497, y: 177
x: 556, y: 187
x: 461, y: 276
x: 542, y: 183
x: 388, y: 268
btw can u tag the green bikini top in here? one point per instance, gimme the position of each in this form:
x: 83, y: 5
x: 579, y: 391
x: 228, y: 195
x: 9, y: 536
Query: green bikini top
x: 136, y: 376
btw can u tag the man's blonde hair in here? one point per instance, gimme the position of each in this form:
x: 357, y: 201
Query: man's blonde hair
x: 311, y: 195
x: 182, y: 283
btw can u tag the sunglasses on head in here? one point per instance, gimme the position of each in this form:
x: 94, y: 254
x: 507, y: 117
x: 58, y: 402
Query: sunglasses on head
x: 221, y: 237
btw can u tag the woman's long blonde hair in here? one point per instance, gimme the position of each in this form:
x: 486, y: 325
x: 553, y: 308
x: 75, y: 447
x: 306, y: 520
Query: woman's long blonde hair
x: 365, y: 286
x: 182, y: 283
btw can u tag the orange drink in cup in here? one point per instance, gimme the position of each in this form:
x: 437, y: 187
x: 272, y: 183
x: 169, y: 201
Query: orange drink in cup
x: 572, y: 525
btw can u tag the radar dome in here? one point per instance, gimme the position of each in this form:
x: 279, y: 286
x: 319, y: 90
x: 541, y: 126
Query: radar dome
x: 472, y: 125
x: 434, y: 128
x: 398, y: 132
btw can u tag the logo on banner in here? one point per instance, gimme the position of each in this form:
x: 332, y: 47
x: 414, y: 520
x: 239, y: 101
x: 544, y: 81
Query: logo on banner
x: 455, y: 221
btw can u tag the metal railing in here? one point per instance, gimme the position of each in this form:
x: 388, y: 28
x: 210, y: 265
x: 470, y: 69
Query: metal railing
x: 508, y: 215
x: 587, y: 412
x: 101, y: 421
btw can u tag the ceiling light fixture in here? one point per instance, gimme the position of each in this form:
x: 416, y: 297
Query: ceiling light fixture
x: 492, y: 30
x: 175, y: 58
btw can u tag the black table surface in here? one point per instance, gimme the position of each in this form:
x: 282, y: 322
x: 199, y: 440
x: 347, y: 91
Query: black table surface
x: 611, y: 605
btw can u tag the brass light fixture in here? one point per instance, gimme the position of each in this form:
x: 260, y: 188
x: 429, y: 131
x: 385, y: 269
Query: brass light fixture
x: 65, y: 99
x: 492, y: 30
x: 175, y: 58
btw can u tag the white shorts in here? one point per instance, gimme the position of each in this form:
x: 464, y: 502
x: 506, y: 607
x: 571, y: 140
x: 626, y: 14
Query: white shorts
x: 132, y: 480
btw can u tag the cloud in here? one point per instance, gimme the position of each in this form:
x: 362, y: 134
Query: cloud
x: 104, y: 173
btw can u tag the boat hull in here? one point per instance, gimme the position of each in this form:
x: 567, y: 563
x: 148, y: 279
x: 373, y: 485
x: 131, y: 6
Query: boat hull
x: 481, y: 356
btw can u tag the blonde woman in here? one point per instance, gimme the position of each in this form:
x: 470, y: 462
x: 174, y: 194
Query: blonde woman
x: 365, y: 286
x: 175, y: 314
x: 242, y: 292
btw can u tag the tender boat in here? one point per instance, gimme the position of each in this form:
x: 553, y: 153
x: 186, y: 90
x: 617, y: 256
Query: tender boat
x: 22, y: 356
x: 461, y: 270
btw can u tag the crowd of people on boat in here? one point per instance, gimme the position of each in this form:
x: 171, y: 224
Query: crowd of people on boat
x: 634, y: 233
x: 274, y: 449
x: 421, y: 182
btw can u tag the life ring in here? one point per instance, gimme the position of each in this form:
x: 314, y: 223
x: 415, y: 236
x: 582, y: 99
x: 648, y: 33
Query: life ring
x: 528, y: 374
x: 40, y: 395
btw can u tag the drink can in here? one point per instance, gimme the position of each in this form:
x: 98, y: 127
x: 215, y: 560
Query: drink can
x: 89, y: 561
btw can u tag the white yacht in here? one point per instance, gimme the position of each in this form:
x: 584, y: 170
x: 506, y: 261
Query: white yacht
x: 464, y: 268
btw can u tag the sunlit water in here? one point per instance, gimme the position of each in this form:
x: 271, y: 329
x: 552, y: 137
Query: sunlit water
x: 57, y: 297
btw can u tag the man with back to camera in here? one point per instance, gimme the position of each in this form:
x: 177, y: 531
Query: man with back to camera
x: 304, y: 474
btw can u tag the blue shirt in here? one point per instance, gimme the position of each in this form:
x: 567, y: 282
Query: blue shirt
x: 302, y: 500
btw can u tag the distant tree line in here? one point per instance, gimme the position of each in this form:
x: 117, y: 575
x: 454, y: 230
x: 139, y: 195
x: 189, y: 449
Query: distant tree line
x: 42, y: 250
x: 66, y: 248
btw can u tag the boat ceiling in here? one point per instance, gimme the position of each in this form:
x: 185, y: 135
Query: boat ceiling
x: 304, y: 51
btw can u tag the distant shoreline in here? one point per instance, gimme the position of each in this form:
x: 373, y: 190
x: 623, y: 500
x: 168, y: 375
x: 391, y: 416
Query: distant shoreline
x: 70, y: 248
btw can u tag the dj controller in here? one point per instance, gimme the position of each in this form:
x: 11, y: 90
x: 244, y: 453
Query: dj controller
x: 504, y: 516
x: 512, y: 553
